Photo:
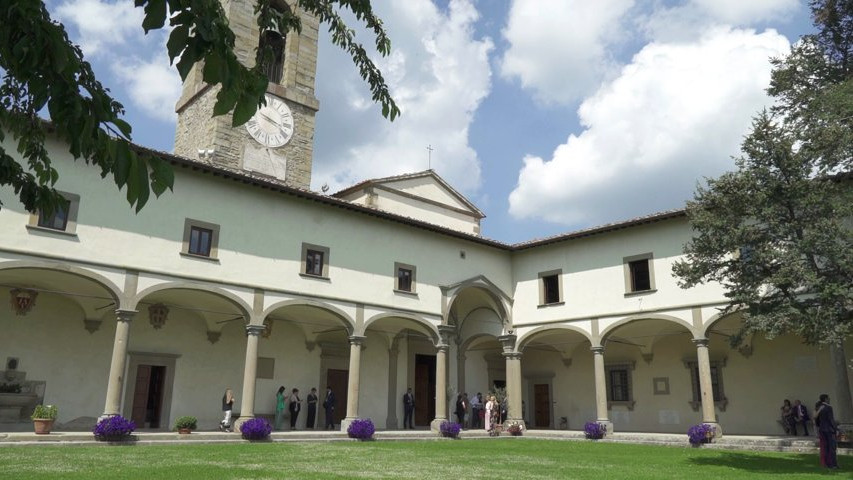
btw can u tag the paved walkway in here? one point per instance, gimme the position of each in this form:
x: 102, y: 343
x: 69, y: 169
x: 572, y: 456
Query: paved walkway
x: 728, y: 442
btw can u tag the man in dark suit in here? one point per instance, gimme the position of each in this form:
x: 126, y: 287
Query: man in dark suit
x: 408, y: 409
x: 827, y: 430
x: 312, y: 408
x: 329, y: 406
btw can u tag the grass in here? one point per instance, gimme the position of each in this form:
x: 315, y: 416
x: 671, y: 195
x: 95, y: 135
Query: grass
x: 506, y: 458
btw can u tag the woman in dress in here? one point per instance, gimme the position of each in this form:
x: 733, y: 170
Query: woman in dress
x: 787, y: 414
x: 279, y: 407
x: 490, y: 407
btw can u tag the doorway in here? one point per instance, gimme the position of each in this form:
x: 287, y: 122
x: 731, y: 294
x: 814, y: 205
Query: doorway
x: 147, y: 407
x: 424, y: 389
x: 541, y: 405
x: 338, y: 381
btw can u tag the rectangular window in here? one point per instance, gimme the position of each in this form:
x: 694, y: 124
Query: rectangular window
x: 404, y: 279
x: 314, y: 262
x: 551, y: 284
x: 619, y: 388
x: 715, y: 384
x: 640, y: 275
x: 201, y: 240
x: 58, y: 220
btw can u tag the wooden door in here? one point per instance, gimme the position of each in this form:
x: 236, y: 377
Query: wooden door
x: 155, y: 396
x: 338, y: 380
x: 140, y: 394
x: 542, y: 405
x: 424, y: 389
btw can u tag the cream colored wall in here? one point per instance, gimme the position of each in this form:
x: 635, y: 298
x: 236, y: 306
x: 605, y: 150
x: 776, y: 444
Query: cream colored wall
x: 573, y: 391
x: 593, y: 275
x: 427, y: 212
x: 426, y: 187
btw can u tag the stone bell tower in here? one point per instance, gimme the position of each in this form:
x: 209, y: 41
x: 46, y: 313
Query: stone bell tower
x: 278, y: 141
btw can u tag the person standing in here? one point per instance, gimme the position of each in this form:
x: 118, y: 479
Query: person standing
x: 408, y: 409
x: 279, y: 407
x: 491, y: 406
x: 786, y: 413
x: 467, y: 407
x: 476, y: 408
x: 801, y: 416
x: 827, y: 429
x: 227, y: 408
x: 460, y: 409
x: 295, y: 406
x: 329, y: 406
x: 312, y: 409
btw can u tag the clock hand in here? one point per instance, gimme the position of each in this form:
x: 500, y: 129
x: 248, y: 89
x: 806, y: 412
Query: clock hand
x: 270, y: 119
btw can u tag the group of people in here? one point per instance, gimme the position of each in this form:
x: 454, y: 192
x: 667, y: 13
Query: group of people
x: 291, y: 402
x: 489, y: 413
x: 825, y: 425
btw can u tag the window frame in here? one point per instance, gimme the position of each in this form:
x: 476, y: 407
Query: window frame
x: 189, y: 224
x: 720, y: 400
x: 303, y: 266
x: 629, y: 273
x: 628, y: 368
x: 558, y: 273
x: 70, y: 227
x: 412, y: 278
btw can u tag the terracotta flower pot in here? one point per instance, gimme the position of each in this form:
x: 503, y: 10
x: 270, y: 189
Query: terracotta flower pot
x: 185, y: 431
x: 42, y: 426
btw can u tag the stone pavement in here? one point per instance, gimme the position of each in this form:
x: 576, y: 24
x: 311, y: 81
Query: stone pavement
x: 728, y: 442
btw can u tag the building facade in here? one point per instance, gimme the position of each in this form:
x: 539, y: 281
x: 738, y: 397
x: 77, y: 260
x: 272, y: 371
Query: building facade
x: 242, y: 278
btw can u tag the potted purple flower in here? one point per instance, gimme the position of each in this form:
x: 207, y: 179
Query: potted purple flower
x: 594, y: 430
x: 256, y: 429
x: 699, y: 434
x: 114, y: 429
x: 450, y: 429
x: 361, y: 429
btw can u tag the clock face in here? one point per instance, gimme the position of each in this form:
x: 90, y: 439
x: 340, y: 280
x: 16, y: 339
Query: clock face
x: 272, y: 124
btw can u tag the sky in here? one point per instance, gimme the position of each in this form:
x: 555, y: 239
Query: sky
x: 549, y: 115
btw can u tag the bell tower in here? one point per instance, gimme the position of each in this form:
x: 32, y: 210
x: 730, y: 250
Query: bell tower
x: 279, y: 140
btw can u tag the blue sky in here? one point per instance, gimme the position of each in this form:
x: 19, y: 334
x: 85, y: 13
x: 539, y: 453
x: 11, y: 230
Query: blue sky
x: 550, y: 115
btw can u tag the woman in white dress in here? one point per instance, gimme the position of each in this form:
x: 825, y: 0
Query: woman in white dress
x: 490, y: 406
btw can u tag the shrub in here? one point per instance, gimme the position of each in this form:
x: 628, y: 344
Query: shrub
x: 594, y: 430
x: 699, y: 434
x: 514, y: 429
x: 361, y: 428
x: 450, y: 429
x: 44, y: 412
x: 186, y: 422
x: 114, y: 428
x: 256, y: 429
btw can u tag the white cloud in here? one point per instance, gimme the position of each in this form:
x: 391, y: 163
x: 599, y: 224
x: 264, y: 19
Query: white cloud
x: 676, y: 113
x: 745, y: 12
x: 438, y: 73
x: 101, y: 24
x: 154, y: 86
x: 559, y: 48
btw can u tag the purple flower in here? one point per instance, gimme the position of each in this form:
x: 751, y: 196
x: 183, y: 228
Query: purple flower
x: 256, y: 429
x: 361, y: 428
x: 699, y: 434
x: 450, y: 429
x: 114, y: 428
x: 594, y: 430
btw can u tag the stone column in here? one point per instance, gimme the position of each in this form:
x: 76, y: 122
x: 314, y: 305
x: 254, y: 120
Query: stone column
x: 709, y: 416
x: 440, y: 387
x: 112, y: 405
x: 355, y: 343
x: 393, y: 356
x: 250, y: 374
x: 601, y: 389
x: 513, y: 378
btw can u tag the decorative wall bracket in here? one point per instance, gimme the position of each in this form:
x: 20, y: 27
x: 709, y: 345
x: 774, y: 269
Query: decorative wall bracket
x: 23, y: 300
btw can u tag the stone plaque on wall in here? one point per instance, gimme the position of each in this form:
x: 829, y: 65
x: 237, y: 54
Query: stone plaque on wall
x: 264, y: 161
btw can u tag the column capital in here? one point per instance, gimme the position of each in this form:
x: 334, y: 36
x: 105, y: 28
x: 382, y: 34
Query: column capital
x: 512, y: 355
x: 700, y: 342
x: 255, y: 330
x: 125, y: 315
x: 356, y: 339
x: 445, y: 333
x: 597, y: 349
x: 442, y: 347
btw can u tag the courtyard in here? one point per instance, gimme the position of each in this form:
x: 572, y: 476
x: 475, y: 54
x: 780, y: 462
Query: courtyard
x: 508, y: 458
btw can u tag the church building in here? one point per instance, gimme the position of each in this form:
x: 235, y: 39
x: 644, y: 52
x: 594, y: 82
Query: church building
x: 244, y: 278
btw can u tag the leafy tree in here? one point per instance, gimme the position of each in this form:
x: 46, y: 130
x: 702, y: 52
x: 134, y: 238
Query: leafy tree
x: 777, y: 233
x: 43, y: 70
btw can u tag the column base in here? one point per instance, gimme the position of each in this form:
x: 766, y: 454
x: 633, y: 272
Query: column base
x: 435, y: 425
x: 235, y: 424
x: 718, y: 430
x: 608, y: 426
x: 346, y: 422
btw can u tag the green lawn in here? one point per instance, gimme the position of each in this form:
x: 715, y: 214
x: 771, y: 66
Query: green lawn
x: 506, y: 458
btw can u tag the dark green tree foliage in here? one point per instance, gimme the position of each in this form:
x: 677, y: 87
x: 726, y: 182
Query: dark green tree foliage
x: 777, y: 233
x: 43, y: 69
